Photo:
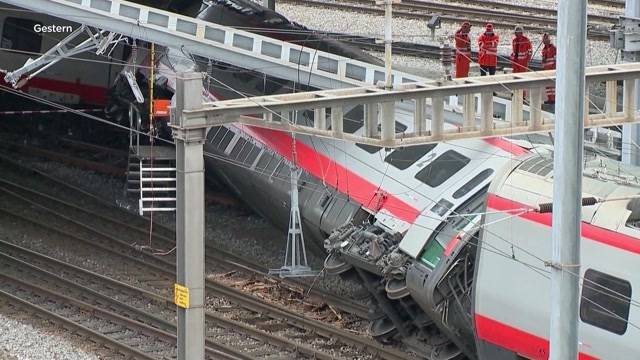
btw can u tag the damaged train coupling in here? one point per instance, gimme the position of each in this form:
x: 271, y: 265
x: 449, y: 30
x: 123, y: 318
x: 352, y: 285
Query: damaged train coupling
x: 369, y: 253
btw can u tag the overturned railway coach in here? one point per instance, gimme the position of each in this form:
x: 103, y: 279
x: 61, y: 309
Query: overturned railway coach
x: 445, y: 237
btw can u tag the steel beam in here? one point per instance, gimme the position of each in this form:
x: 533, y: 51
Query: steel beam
x: 631, y: 133
x: 189, y: 134
x: 567, y: 180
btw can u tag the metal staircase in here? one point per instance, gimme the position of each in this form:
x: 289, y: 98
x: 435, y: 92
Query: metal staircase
x: 151, y: 172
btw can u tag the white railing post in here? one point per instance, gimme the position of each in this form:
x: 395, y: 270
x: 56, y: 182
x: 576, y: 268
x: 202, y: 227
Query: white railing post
x: 437, y: 118
x: 469, y: 111
x: 320, y: 118
x: 419, y: 120
x: 611, y: 97
x: 336, y: 121
x: 629, y: 100
x: 516, y: 107
x: 388, y: 121
x: 486, y: 100
x: 370, y: 120
x: 535, y: 108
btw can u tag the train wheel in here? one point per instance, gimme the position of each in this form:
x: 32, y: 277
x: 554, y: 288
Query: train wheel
x: 396, y: 289
x: 333, y: 265
x: 382, y: 330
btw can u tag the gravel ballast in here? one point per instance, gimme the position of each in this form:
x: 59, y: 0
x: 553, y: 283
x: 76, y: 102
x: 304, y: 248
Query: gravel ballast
x: 413, y: 30
x: 21, y: 340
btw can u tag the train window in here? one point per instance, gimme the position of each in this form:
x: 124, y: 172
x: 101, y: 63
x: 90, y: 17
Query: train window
x: 442, y: 168
x: 405, y: 157
x: 327, y: 64
x: 605, y: 301
x: 471, y: 184
x: 226, y: 140
x: 252, y: 155
x: 400, y: 127
x: 215, y: 134
x: 353, y: 120
x: 264, y: 161
x: 432, y: 253
x: 18, y: 34
x: 237, y: 148
x: 371, y: 149
x: 245, y: 151
x: 299, y: 57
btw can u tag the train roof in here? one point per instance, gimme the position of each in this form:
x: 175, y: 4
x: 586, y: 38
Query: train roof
x: 529, y: 182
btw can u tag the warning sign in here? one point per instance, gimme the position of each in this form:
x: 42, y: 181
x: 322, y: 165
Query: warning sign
x: 181, y: 296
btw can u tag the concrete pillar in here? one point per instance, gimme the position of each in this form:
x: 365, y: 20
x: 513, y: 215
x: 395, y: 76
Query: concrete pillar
x: 189, y: 135
x: 320, y: 119
x: 337, y: 120
x: 419, y: 119
x: 437, y: 119
x: 388, y: 121
x: 370, y: 120
x: 486, y: 100
x: 516, y: 107
x: 535, y: 108
x: 469, y: 111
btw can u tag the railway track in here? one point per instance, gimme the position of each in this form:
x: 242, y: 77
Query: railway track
x: 110, y: 216
x: 455, y: 13
x: 247, y: 309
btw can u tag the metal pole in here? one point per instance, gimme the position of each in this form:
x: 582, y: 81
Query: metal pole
x: 189, y: 135
x: 631, y: 133
x: 388, y: 83
x: 567, y: 184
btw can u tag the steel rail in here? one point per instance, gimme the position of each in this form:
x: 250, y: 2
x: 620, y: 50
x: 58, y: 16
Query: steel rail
x: 147, y: 327
x: 539, y: 10
x: 168, y: 239
x: 476, y: 17
x: 244, y: 300
x: 10, y: 300
x: 26, y: 259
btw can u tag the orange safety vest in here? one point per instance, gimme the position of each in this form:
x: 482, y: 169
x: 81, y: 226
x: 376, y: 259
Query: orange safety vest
x: 521, y: 53
x: 463, y: 54
x: 549, y: 57
x: 488, y: 49
x: 549, y: 63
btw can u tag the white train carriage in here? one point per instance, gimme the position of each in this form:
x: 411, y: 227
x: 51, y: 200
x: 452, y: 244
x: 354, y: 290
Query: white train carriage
x: 512, y: 286
x: 83, y: 79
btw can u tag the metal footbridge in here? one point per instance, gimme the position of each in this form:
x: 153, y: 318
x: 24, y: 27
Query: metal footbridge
x: 240, y: 48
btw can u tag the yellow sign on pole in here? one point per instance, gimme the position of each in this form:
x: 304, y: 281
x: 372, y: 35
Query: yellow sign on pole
x: 181, y: 296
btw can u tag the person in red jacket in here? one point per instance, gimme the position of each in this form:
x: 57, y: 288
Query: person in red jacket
x: 521, y: 51
x: 488, y: 51
x: 549, y: 63
x: 463, y: 50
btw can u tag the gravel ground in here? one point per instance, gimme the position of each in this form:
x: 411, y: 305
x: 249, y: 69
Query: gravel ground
x: 413, y: 30
x: 236, y: 230
x: 21, y: 340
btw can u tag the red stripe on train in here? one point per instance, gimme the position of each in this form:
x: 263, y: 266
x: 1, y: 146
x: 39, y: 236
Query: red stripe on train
x: 88, y: 94
x: 506, y: 145
x: 591, y: 232
x: 334, y: 174
x: 516, y: 340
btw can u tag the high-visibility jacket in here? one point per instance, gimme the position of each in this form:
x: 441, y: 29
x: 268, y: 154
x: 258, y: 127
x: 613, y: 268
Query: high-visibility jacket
x: 549, y: 63
x: 521, y: 53
x: 463, y: 54
x: 549, y: 57
x: 488, y: 49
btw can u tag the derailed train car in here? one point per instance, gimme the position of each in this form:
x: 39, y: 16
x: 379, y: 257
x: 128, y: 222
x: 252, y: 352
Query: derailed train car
x: 445, y: 237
